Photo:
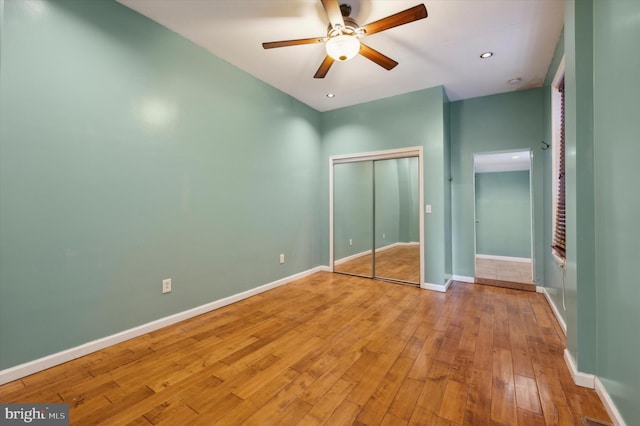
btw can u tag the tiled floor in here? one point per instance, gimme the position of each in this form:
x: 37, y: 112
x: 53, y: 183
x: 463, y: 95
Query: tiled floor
x: 504, y: 270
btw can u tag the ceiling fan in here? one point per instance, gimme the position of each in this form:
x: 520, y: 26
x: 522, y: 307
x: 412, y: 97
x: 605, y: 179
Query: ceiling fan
x: 343, y: 35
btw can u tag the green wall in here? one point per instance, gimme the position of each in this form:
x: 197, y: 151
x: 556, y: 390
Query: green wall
x: 396, y: 200
x: 503, y: 207
x: 412, y: 119
x: 616, y: 93
x: 387, y: 203
x: 410, y: 211
x: 580, y: 271
x: 553, y: 274
x: 353, y: 208
x: 510, y: 121
x: 129, y: 155
x: 448, y: 229
x: 602, y: 130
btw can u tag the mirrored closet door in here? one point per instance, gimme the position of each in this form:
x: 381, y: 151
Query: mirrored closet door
x: 376, y: 219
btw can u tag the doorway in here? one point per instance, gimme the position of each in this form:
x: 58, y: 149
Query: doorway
x: 376, y: 225
x: 503, y: 219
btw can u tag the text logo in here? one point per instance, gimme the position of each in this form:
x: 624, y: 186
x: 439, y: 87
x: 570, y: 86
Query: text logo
x: 34, y: 414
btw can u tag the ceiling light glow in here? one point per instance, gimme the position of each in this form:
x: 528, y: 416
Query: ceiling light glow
x: 486, y: 55
x: 343, y: 47
x: 331, y: 95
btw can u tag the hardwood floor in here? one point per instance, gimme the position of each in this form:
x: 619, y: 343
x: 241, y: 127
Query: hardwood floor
x: 397, y: 263
x: 337, y: 350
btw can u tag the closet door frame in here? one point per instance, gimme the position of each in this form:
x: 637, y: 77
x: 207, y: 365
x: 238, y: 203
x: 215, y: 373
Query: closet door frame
x: 372, y: 156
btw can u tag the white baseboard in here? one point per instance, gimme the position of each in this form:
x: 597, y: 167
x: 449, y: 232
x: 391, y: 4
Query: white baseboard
x: 442, y: 288
x: 554, y: 309
x: 379, y: 249
x: 462, y: 278
x: 351, y: 257
x: 509, y: 258
x: 592, y: 381
x: 615, y: 415
x: 448, y: 284
x: 31, y: 367
x: 585, y: 380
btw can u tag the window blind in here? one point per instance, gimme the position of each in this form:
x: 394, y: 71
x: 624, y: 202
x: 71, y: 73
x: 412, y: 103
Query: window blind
x: 560, y: 225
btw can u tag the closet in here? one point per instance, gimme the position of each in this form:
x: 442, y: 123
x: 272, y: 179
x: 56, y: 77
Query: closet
x: 376, y: 217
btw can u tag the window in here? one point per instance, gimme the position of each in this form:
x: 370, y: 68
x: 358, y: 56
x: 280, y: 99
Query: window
x: 559, y: 245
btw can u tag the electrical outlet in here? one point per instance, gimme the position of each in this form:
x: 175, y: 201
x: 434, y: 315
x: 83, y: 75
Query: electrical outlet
x: 350, y: 242
x: 281, y: 259
x: 166, y: 285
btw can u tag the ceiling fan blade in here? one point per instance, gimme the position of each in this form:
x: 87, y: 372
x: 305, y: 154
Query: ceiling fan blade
x: 333, y: 12
x: 412, y: 14
x: 377, y: 57
x: 324, y: 67
x: 284, y: 43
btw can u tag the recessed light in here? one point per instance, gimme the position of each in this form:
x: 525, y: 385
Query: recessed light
x: 515, y: 157
x: 486, y: 55
x: 331, y: 95
x: 515, y: 80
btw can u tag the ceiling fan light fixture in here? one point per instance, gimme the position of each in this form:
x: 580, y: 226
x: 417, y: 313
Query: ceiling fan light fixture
x: 343, y: 47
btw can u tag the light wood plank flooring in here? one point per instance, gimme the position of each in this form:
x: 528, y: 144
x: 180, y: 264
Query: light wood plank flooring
x: 398, y: 263
x: 337, y: 350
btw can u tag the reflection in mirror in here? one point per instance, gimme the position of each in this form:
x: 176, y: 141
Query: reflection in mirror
x: 353, y: 218
x: 397, y: 226
x: 503, y: 225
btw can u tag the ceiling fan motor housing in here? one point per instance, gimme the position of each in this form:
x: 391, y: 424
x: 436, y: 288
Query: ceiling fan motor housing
x: 351, y: 28
x: 345, y: 9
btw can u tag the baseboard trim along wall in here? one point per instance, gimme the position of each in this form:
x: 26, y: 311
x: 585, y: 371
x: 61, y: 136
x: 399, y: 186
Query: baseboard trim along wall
x: 462, y: 278
x: 585, y: 380
x: 592, y: 381
x: 615, y: 415
x: 31, y: 367
x: 368, y: 252
x: 442, y: 288
x: 554, y: 309
x: 352, y: 257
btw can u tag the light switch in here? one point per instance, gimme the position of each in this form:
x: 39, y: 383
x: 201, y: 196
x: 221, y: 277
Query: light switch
x: 427, y: 208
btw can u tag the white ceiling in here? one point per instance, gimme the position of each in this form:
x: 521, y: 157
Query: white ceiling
x: 442, y: 49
